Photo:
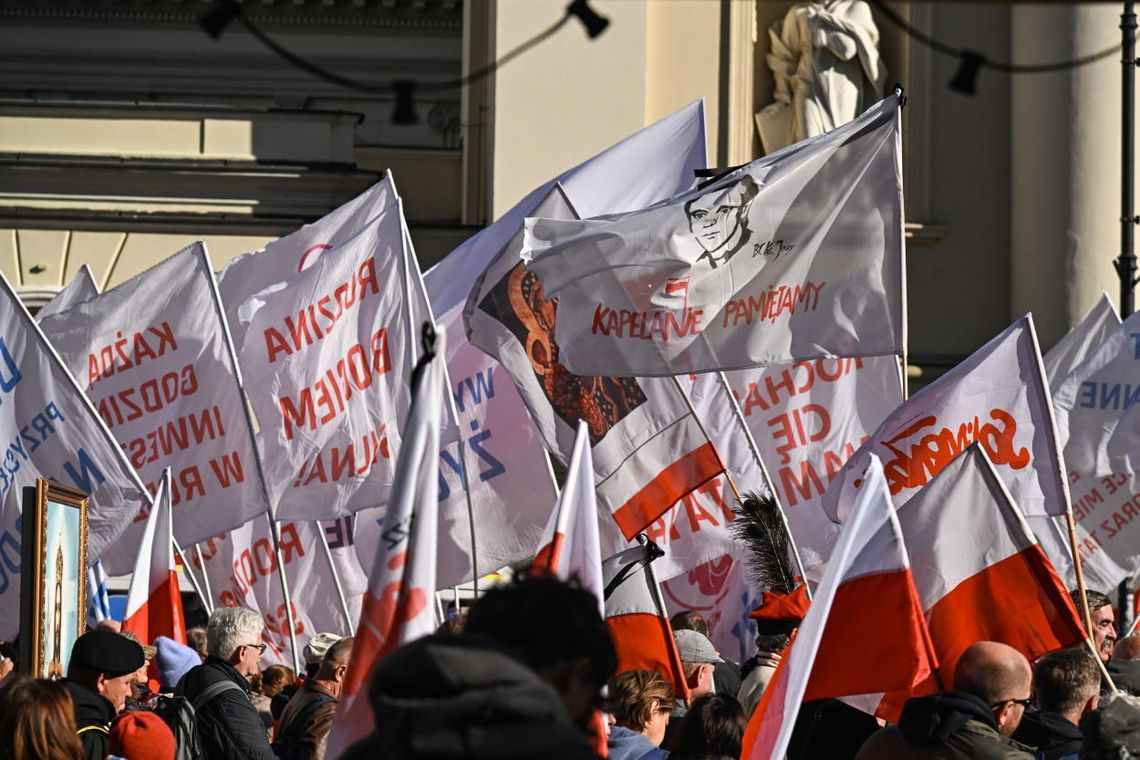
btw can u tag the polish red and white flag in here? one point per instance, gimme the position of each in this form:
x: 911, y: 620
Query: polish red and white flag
x: 979, y: 571
x: 570, y: 547
x: 636, y: 617
x: 863, y: 633
x: 154, y: 603
x: 398, y: 605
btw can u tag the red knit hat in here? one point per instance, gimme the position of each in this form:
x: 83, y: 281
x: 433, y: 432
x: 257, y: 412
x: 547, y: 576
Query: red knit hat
x: 141, y: 735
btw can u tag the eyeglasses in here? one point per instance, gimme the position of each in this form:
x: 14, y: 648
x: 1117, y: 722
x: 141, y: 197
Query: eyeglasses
x: 259, y: 647
x: 1026, y: 703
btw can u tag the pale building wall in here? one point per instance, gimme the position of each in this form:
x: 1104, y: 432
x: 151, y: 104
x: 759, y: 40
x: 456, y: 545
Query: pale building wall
x: 566, y: 99
x: 681, y: 63
x: 1066, y: 166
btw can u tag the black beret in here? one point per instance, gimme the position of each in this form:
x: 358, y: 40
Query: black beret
x: 106, y: 652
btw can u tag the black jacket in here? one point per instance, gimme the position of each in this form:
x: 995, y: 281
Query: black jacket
x: 1054, y: 737
x: 1126, y: 675
x: 950, y: 726
x: 228, y: 725
x: 452, y: 697
x: 93, y: 716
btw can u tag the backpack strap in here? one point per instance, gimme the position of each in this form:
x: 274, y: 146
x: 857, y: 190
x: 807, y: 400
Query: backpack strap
x: 212, y: 691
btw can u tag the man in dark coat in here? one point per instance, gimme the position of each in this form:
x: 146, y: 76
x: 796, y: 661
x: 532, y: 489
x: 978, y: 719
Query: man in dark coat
x: 100, y: 675
x: 973, y: 722
x: 303, y: 731
x: 1067, y: 687
x: 228, y: 723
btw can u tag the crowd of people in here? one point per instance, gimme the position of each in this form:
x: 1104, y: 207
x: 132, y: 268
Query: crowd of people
x: 531, y: 672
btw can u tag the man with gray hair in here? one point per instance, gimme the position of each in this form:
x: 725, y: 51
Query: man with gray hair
x: 1066, y: 687
x: 228, y: 723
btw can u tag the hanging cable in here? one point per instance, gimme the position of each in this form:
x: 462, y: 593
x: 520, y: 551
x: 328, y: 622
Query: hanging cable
x: 971, y: 62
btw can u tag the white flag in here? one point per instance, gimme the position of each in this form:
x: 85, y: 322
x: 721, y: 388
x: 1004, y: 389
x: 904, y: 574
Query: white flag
x: 154, y: 358
x: 997, y: 396
x: 569, y: 547
x: 511, y: 483
x: 81, y: 287
x: 648, y: 449
x: 284, y: 258
x: 1098, y: 418
x: 327, y: 360
x: 795, y: 256
x: 242, y: 571
x: 1077, y: 344
x: 51, y: 430
x: 399, y: 605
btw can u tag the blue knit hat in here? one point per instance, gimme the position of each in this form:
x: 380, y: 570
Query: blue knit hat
x: 174, y: 660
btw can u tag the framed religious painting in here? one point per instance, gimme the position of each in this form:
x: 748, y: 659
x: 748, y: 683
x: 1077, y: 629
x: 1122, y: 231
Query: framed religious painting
x: 53, y: 597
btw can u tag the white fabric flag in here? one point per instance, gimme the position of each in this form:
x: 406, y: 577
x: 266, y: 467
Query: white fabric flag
x: 569, y: 547
x: 398, y: 604
x: 51, y: 430
x: 697, y: 529
x: 795, y: 256
x: 327, y: 360
x: 1101, y: 571
x: 1077, y: 344
x: 241, y: 571
x: 648, y: 449
x: 870, y: 544
x: 514, y: 487
x: 81, y: 287
x: 1098, y: 418
x: 284, y: 258
x: 153, y: 356
x: 997, y: 396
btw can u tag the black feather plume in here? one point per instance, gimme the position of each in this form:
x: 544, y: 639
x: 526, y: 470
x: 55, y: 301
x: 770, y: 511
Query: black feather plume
x: 760, y: 527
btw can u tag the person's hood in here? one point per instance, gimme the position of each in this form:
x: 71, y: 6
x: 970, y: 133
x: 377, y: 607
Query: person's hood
x: 454, y: 696
x: 931, y: 720
x: 1048, y: 731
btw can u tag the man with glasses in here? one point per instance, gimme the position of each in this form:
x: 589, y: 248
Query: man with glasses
x: 227, y: 722
x: 991, y: 691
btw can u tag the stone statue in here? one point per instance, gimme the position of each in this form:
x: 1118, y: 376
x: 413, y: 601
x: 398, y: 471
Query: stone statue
x: 825, y: 60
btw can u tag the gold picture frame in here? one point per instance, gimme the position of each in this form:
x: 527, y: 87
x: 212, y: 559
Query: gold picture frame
x: 53, y: 608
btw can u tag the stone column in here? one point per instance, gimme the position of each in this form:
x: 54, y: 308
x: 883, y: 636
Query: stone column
x: 1065, y: 149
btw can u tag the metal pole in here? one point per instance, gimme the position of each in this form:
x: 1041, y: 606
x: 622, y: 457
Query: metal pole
x: 193, y: 581
x: 349, y: 623
x: 1126, y: 264
x: 205, y: 577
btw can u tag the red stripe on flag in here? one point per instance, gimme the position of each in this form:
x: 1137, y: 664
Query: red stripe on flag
x: 678, y: 479
x: 161, y: 615
x: 548, y: 556
x: 875, y: 641
x: 644, y: 641
x: 768, y: 718
x: 1019, y: 601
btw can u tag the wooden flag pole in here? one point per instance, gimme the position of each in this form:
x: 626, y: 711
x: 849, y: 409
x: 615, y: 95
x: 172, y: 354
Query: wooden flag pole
x: 1086, y: 615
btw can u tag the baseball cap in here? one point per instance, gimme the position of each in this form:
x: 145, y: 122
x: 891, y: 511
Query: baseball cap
x: 695, y: 647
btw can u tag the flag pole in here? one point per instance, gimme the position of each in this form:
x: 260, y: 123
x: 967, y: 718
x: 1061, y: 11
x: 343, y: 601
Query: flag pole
x: 348, y: 622
x: 409, y: 260
x: 205, y: 576
x: 738, y: 413
x: 193, y: 581
x: 274, y: 535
